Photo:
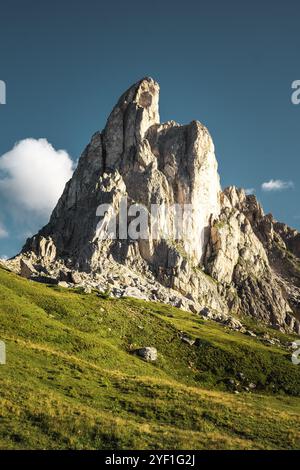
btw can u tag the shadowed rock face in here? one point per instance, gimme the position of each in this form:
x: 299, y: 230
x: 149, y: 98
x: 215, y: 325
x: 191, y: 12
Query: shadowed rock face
x: 245, y: 252
x: 228, y: 260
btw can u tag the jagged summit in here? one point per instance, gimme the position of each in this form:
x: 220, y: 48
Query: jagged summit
x: 136, y: 111
x: 232, y: 260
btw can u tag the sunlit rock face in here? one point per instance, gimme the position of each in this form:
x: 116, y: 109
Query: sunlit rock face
x: 163, y: 164
x: 150, y: 163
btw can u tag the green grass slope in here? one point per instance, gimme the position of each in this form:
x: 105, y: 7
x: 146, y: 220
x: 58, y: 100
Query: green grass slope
x: 72, y: 380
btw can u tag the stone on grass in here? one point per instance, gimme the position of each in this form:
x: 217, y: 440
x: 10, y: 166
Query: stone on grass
x: 149, y: 354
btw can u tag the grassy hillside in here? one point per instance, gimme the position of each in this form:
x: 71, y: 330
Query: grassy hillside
x: 72, y: 379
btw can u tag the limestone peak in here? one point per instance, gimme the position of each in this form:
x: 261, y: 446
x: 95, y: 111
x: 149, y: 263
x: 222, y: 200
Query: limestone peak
x: 230, y: 260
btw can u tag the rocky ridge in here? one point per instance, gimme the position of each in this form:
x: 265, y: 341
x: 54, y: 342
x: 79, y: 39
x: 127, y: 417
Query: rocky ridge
x: 234, y: 260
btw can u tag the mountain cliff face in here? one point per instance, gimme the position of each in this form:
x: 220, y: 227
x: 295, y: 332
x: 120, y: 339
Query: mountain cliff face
x: 233, y: 260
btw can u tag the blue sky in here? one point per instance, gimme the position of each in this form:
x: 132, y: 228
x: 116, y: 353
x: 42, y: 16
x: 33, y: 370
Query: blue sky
x: 228, y: 64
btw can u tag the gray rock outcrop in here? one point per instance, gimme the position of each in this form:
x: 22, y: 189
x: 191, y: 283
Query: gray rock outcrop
x: 148, y: 353
x: 232, y: 260
x: 244, y: 254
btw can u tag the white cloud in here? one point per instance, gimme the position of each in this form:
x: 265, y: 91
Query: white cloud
x: 277, y: 185
x: 250, y: 191
x: 32, y: 177
x: 3, y: 231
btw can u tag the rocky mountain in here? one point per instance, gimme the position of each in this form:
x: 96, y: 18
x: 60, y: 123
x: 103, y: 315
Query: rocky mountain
x: 233, y: 260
